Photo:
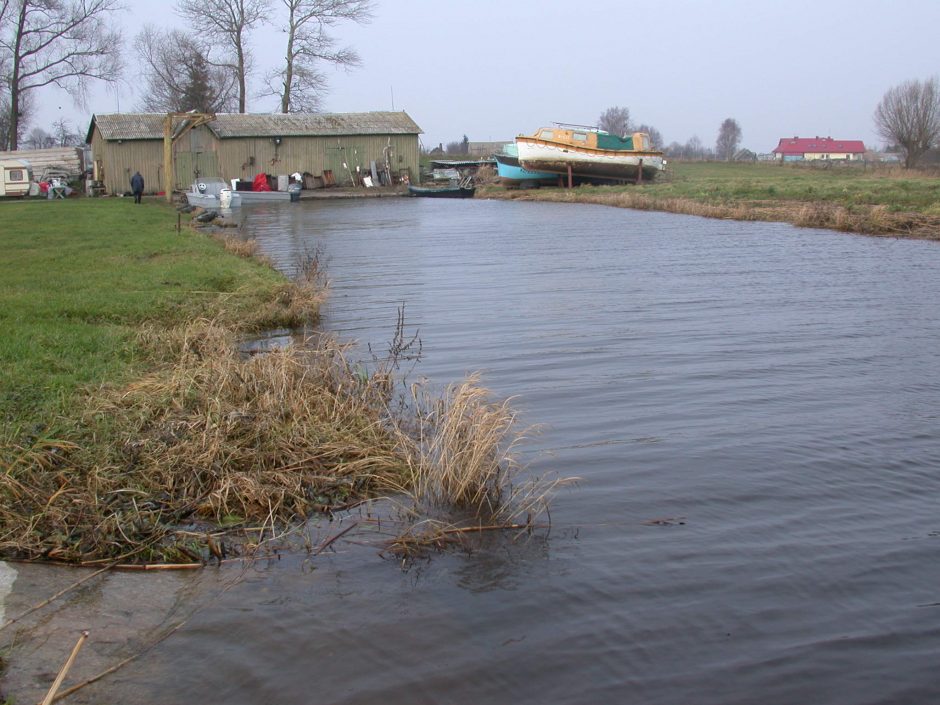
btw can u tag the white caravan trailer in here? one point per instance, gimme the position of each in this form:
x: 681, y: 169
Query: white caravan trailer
x: 15, y: 177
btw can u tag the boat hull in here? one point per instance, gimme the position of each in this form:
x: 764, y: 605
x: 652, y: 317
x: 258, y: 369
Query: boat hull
x: 210, y: 201
x: 556, y: 158
x: 513, y: 175
x: 266, y: 196
x: 447, y: 192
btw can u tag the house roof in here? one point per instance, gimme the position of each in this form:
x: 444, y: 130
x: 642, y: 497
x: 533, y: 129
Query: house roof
x: 149, y: 126
x: 802, y: 145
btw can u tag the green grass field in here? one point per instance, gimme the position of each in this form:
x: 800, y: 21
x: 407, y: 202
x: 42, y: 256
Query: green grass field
x: 80, y: 277
x: 717, y: 183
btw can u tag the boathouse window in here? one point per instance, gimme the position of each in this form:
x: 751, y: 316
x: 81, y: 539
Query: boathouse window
x: 16, y: 175
x: 579, y: 136
x: 546, y: 134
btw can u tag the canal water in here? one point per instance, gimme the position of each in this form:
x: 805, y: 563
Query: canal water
x: 752, y: 412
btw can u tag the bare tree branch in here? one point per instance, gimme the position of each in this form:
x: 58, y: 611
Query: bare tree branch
x: 729, y: 137
x: 300, y: 84
x: 909, y: 116
x: 66, y: 43
x: 227, y: 24
x: 616, y: 121
x: 181, y: 74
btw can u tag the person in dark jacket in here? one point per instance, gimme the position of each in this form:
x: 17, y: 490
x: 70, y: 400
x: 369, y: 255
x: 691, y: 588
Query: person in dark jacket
x: 137, y: 186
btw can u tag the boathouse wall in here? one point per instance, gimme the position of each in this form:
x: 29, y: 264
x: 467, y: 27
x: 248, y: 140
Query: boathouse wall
x: 242, y: 146
x: 115, y: 161
x: 244, y: 157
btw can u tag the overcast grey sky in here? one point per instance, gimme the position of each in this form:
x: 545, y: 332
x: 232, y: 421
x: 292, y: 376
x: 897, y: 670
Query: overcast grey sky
x: 492, y: 69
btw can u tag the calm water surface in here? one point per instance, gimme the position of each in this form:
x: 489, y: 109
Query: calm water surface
x: 770, y: 393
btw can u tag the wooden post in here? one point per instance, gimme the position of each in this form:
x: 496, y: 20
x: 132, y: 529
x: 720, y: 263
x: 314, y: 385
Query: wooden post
x: 570, y: 177
x: 639, y: 174
x: 168, y: 157
x: 193, y: 120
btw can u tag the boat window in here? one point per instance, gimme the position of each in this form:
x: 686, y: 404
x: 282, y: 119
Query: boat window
x: 546, y: 134
x: 16, y: 175
x: 579, y: 136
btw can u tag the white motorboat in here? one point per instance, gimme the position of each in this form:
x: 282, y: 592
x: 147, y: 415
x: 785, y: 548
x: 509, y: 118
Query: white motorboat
x: 214, y: 193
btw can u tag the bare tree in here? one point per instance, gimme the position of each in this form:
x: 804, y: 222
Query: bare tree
x: 64, y: 136
x: 616, y: 121
x: 26, y: 114
x: 729, y: 137
x: 692, y: 150
x: 909, y: 116
x: 66, y: 43
x: 181, y: 75
x: 227, y: 23
x: 38, y: 138
x: 300, y: 84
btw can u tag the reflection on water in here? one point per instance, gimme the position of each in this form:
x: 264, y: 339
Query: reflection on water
x: 774, y: 387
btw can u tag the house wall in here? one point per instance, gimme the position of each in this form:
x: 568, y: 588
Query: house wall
x: 830, y: 155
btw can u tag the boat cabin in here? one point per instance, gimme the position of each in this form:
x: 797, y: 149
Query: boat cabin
x: 15, y: 177
x: 596, y: 139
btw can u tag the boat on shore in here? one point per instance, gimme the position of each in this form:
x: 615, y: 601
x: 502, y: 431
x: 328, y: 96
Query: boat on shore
x: 291, y: 194
x: 513, y: 175
x: 212, y: 193
x: 455, y: 189
x: 590, y: 153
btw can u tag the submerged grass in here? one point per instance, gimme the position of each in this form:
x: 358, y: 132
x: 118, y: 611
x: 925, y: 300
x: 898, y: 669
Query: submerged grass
x: 879, y: 201
x: 178, y: 445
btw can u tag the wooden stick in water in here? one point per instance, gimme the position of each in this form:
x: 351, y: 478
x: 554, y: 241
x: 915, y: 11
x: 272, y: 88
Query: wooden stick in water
x: 57, y: 683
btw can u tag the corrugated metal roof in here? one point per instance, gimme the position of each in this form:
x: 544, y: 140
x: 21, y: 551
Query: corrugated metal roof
x: 314, y: 124
x: 129, y: 126
x: 145, y: 126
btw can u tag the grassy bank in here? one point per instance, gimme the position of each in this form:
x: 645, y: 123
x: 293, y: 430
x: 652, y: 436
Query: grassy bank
x: 80, y: 278
x: 874, y: 201
x: 134, y: 430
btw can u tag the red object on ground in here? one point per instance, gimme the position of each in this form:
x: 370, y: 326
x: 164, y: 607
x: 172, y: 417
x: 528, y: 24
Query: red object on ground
x: 260, y: 183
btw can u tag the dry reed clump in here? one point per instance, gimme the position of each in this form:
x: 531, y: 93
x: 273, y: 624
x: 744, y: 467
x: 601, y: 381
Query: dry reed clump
x: 216, y: 438
x: 238, y: 246
x: 463, y: 476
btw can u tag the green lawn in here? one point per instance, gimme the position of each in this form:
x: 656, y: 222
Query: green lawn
x: 80, y: 277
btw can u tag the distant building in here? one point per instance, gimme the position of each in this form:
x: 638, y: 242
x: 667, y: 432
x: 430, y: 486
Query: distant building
x: 795, y: 149
x: 486, y: 149
x: 240, y: 146
x: 55, y: 161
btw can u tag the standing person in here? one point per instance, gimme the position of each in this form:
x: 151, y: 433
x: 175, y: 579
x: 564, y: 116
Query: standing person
x: 137, y: 186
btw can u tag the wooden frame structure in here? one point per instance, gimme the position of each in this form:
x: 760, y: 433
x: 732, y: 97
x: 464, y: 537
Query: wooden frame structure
x: 170, y: 125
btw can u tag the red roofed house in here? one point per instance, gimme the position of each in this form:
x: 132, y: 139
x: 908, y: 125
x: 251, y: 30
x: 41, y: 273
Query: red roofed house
x: 794, y: 149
